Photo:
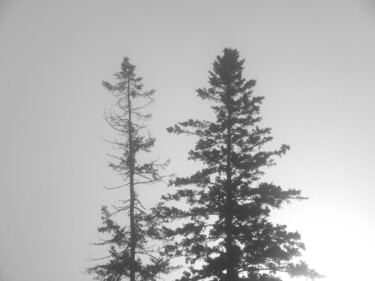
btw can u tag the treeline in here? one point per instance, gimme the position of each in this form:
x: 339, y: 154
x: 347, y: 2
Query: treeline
x: 217, y: 219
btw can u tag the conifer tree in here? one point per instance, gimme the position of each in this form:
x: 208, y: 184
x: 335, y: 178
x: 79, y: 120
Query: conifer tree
x: 132, y: 255
x: 225, y: 233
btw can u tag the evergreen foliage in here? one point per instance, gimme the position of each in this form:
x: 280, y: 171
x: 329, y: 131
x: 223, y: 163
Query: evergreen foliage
x: 132, y: 251
x: 225, y: 233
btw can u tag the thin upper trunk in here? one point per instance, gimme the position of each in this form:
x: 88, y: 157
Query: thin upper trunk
x: 133, y: 241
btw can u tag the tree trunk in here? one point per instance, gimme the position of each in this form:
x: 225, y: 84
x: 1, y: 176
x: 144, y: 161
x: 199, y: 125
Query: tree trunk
x: 133, y: 241
x: 231, y: 274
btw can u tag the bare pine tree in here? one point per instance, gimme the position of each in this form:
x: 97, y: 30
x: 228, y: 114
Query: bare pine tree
x: 133, y: 252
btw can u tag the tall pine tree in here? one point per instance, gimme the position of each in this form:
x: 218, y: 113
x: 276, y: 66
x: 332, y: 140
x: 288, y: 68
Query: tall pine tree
x: 132, y: 253
x: 225, y: 233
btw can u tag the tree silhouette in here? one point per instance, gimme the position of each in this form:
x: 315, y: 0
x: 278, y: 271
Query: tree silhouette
x: 224, y: 231
x: 132, y: 255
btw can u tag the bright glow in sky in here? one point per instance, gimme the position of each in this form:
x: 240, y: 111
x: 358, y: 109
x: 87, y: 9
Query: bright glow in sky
x: 314, y: 62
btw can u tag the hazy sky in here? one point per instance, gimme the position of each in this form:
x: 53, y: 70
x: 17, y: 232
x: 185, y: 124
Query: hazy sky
x: 313, y: 60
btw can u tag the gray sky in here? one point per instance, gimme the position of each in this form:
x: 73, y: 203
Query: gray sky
x: 313, y: 60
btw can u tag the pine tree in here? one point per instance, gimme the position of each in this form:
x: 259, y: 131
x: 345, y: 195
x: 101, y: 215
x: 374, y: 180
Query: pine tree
x: 225, y: 233
x: 132, y: 255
